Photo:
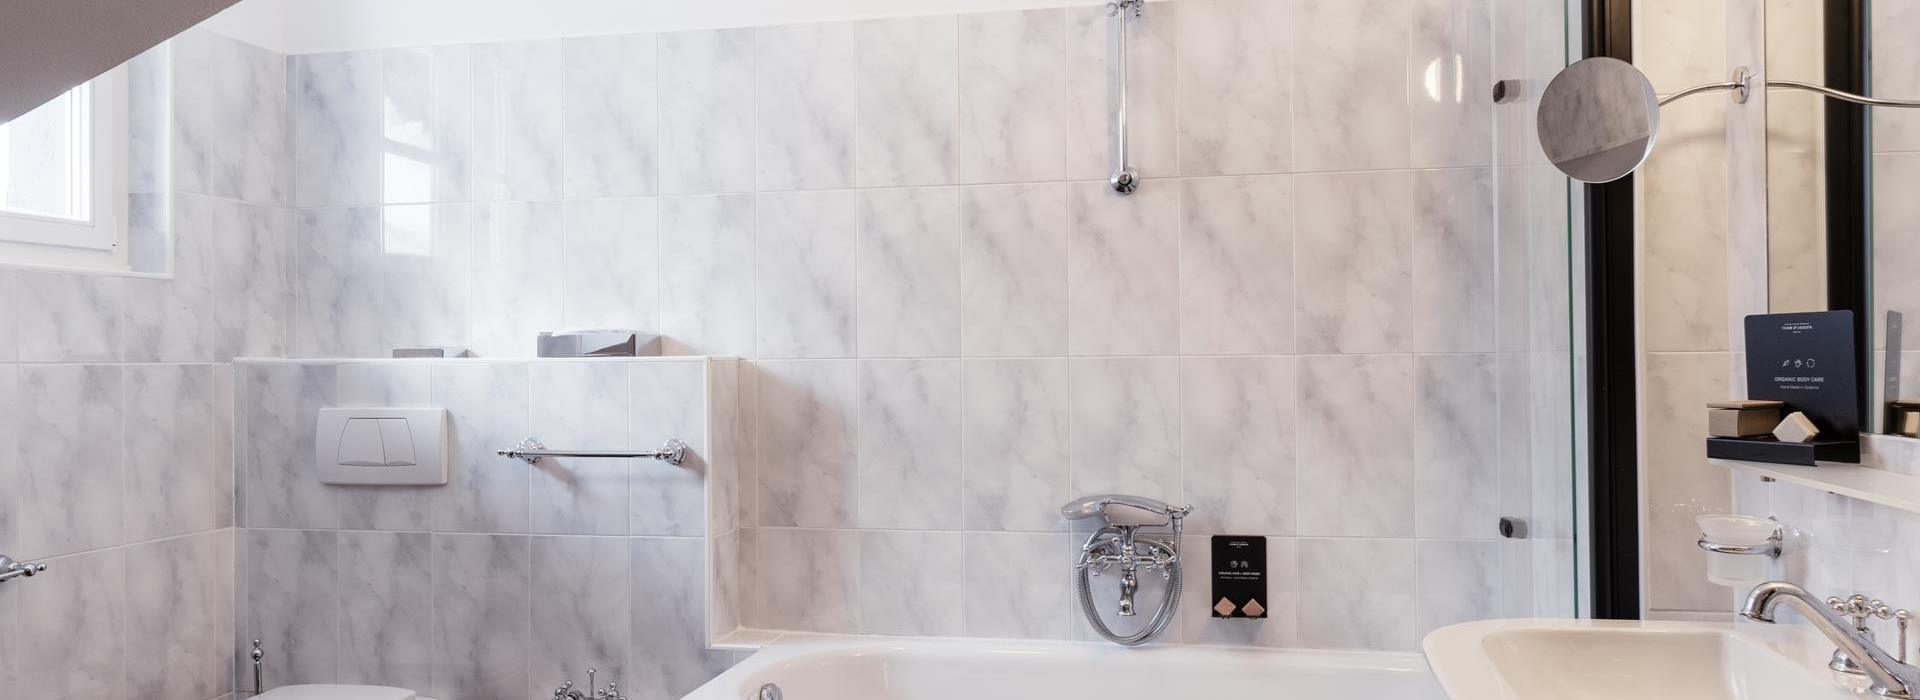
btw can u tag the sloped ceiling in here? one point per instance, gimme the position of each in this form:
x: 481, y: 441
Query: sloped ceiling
x: 49, y: 46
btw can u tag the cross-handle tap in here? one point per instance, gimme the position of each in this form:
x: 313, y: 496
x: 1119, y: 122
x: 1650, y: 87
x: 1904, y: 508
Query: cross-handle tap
x: 1855, y: 649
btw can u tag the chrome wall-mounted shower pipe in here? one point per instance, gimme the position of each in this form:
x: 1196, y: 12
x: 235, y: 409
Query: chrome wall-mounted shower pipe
x: 1124, y: 179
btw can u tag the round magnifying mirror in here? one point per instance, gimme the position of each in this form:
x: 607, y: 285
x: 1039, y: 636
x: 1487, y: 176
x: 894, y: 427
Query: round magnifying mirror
x: 1598, y: 119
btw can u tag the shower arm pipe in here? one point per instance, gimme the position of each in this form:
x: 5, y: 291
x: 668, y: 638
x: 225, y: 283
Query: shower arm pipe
x: 1743, y: 81
x: 1124, y: 179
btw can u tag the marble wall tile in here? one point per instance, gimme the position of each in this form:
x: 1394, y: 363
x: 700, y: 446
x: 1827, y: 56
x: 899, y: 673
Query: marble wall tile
x: 1007, y: 591
x: 386, y: 609
x: 1353, y: 286
x: 1236, y: 265
x: 1685, y: 236
x: 1237, y: 432
x: 76, y: 622
x: 1015, y: 420
x: 335, y: 120
x: 805, y: 93
x: 1350, y: 75
x: 909, y: 287
x: 179, y: 614
x: 707, y: 294
x: 383, y: 507
x: 229, y: 119
x: 669, y: 402
x: 612, y: 264
x: 482, y: 607
x: 1678, y: 54
x: 1459, y: 581
x: 11, y: 413
x: 908, y: 96
x: 1449, y: 69
x: 1454, y: 261
x: 611, y: 108
x: 582, y: 618
x: 1152, y: 97
x: 808, y: 473
x: 706, y: 111
x: 1680, y: 484
x: 1126, y: 426
x: 669, y: 657
x: 9, y: 316
x: 430, y: 100
x: 1236, y: 87
x: 1897, y: 247
x: 910, y: 583
x: 909, y: 444
x: 337, y: 299
x: 1455, y: 446
x: 1380, y: 571
x: 485, y: 492
x: 171, y: 448
x: 292, y: 602
x: 1897, y: 72
x: 1122, y: 293
x: 1343, y: 401
x: 805, y: 281
x: 516, y: 149
x: 149, y: 104
x: 730, y: 437
x: 1013, y: 270
x: 818, y: 587
x: 252, y: 253
x: 1013, y: 100
x: 70, y: 475
x: 1281, y: 626
x: 232, y: 252
x: 282, y: 402
x: 517, y: 245
x: 426, y: 257
x: 580, y: 405
x: 68, y: 317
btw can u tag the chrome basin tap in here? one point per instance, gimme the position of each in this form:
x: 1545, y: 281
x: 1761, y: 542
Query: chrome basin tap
x: 1856, y: 652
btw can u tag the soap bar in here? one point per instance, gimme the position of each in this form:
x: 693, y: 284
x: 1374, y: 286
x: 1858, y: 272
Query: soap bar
x: 1738, y: 419
x: 1727, y: 422
x: 1796, y: 428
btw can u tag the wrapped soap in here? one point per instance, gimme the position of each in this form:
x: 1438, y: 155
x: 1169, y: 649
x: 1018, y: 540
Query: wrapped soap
x: 1738, y: 419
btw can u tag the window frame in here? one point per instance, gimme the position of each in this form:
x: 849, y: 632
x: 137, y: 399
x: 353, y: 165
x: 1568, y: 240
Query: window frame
x: 32, y: 240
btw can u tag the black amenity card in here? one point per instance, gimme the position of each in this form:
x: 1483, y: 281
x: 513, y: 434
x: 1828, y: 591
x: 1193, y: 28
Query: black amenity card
x: 1239, y: 576
x: 1806, y: 360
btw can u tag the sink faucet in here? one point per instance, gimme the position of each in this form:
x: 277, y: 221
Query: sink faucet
x: 1890, y: 678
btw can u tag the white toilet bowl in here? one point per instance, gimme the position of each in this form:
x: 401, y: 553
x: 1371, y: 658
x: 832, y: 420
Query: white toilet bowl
x: 338, y: 692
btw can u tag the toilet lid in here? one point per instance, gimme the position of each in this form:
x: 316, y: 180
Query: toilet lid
x: 336, y: 692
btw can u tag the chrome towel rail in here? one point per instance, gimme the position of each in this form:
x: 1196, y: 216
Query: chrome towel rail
x: 672, y: 452
x: 10, y: 569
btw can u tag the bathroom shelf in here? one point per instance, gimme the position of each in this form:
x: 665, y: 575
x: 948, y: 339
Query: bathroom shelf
x: 1870, y: 484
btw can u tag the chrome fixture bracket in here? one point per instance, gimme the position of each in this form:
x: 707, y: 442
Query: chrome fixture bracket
x: 1124, y: 179
x: 1742, y: 86
x: 531, y: 450
x: 10, y: 569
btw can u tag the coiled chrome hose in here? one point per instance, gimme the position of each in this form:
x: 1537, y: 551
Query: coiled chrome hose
x: 1169, y: 600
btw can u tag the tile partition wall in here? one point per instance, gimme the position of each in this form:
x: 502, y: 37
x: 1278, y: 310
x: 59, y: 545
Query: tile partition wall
x: 116, y: 394
x: 952, y: 327
x: 512, y: 578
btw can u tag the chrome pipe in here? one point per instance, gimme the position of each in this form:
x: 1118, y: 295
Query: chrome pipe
x: 1124, y: 179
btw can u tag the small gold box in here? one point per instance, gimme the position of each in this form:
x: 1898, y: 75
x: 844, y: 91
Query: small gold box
x: 1739, y: 419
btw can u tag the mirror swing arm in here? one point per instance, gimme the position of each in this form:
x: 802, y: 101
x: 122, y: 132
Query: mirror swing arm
x: 1742, y: 84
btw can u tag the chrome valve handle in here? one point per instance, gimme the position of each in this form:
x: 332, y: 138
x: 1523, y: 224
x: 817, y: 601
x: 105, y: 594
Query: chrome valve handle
x: 10, y: 569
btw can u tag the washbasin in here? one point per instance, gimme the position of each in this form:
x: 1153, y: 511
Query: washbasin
x: 1614, y: 660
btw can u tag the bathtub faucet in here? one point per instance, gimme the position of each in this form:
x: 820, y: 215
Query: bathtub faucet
x: 1118, y: 544
x: 593, y: 692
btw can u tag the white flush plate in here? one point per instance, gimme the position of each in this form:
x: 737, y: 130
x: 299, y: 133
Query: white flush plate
x: 381, y: 446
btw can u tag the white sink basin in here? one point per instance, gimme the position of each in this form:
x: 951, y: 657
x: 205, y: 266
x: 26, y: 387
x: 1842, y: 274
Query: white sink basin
x: 1606, y: 660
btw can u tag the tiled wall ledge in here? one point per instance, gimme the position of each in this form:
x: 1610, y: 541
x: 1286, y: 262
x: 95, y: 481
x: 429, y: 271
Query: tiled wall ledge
x: 1889, y: 472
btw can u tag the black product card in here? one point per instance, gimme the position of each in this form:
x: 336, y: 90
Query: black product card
x: 1239, y: 576
x: 1806, y: 360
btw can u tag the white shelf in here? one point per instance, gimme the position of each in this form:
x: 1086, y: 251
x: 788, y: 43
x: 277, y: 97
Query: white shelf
x: 1870, y: 484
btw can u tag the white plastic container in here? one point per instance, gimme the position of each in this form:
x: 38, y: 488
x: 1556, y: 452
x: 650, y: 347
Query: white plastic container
x: 1738, y: 570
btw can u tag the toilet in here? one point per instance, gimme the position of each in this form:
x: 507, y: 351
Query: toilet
x: 338, y: 692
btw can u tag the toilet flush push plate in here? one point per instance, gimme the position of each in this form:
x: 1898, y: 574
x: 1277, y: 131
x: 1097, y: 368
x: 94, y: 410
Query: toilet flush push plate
x: 381, y: 446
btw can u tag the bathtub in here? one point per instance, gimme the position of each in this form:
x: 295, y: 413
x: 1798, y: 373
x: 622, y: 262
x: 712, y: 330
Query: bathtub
x: 912, y: 668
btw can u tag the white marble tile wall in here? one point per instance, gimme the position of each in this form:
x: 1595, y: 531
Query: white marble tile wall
x: 607, y: 559
x: 952, y: 325
x: 116, y: 460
